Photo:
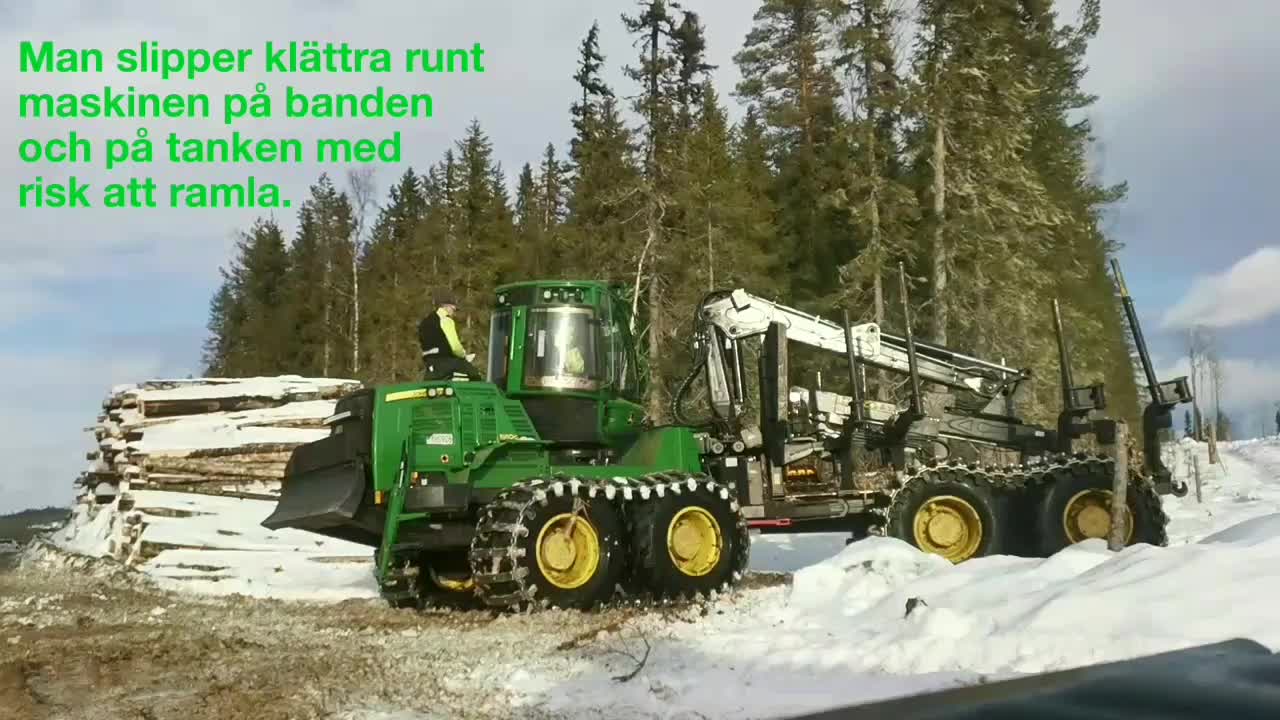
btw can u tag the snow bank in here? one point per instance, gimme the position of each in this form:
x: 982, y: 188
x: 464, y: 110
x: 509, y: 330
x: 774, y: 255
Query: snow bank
x: 271, y: 574
x: 88, y: 531
x: 216, y: 546
x: 1243, y: 486
x: 842, y: 633
x: 878, y: 618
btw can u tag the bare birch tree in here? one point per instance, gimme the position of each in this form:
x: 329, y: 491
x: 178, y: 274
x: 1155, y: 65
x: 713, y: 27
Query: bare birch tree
x: 361, y: 185
x: 1198, y: 346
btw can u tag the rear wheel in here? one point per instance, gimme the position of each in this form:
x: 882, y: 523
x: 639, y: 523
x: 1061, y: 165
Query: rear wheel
x: 945, y: 512
x: 1076, y: 506
x: 689, y: 541
x: 547, y: 542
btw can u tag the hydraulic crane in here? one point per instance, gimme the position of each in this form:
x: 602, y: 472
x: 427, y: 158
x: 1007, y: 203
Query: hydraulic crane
x: 827, y: 460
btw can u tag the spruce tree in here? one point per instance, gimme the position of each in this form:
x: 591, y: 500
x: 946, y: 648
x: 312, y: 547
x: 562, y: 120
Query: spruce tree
x: 603, y: 200
x: 529, y: 237
x: 539, y: 217
x: 1060, y: 139
x: 875, y: 192
x: 247, y: 314
x: 551, y: 185
x: 319, y: 288
x: 787, y: 73
x: 688, y: 43
x: 226, y: 323
x: 594, y: 91
x: 393, y: 269
x: 654, y: 27
x: 602, y: 177
x: 481, y: 232
x: 990, y: 218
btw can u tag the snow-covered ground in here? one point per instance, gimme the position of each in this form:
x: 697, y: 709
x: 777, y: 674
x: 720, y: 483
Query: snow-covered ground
x: 216, y: 546
x: 1245, y: 485
x: 223, y: 549
x: 840, y: 633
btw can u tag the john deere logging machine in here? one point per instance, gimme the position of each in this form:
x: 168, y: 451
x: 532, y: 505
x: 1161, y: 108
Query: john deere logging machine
x: 546, y: 485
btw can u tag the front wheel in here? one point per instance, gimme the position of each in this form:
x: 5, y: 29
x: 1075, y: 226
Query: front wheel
x: 548, y: 543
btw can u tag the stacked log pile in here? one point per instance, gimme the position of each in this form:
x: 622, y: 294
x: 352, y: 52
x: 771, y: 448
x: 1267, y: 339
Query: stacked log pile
x: 206, y: 436
x: 220, y: 436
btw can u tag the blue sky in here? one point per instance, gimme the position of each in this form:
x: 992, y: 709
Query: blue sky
x: 89, y: 299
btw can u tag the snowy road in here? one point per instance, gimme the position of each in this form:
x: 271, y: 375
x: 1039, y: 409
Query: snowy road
x: 1245, y: 485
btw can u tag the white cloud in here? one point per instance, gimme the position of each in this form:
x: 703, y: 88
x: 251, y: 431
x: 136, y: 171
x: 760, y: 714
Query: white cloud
x: 1250, y: 393
x: 50, y: 398
x: 1247, y: 292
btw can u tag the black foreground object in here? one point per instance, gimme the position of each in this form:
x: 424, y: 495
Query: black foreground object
x: 1232, y: 680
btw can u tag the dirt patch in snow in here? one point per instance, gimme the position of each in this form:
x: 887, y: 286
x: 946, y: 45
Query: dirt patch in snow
x: 80, y: 640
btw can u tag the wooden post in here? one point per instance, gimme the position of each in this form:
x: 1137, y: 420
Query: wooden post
x: 1119, y: 488
x: 1213, y: 442
x: 1195, y: 463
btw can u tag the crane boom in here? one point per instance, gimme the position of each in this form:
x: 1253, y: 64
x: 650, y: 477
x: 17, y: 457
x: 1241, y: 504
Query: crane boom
x: 738, y: 314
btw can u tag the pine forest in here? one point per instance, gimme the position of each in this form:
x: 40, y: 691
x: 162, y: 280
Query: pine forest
x: 946, y: 135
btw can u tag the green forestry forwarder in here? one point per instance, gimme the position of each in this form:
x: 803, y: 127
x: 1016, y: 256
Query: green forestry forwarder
x: 546, y: 485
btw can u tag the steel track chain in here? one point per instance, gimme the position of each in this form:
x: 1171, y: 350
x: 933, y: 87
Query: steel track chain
x: 498, y: 562
x: 1017, y: 479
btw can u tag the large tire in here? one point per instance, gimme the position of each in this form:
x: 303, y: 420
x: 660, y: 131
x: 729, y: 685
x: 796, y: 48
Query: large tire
x: 398, y: 599
x: 548, y: 543
x: 946, y: 511
x: 447, y: 582
x: 690, y: 541
x: 1075, y: 505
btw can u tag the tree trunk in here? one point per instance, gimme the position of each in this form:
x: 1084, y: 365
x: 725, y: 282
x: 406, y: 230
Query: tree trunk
x: 940, y: 252
x: 875, y: 175
x: 656, y: 408
x: 873, y: 215
x: 1193, y: 362
x: 1119, y: 489
x: 355, y: 307
x: 395, y: 292
x: 635, y: 293
x: 711, y: 255
x: 328, y: 315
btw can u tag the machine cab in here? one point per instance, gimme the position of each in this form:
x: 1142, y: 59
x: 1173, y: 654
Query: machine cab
x: 564, y: 349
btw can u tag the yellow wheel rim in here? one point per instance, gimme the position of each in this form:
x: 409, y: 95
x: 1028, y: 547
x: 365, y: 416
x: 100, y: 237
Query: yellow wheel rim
x: 694, y: 541
x: 450, y: 584
x: 948, y: 526
x: 1088, y: 515
x: 568, y: 551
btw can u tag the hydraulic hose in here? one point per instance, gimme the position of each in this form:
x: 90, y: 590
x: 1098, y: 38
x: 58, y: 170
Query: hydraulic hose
x: 677, y: 402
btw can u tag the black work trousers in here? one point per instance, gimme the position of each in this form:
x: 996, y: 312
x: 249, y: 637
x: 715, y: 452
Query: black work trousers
x: 443, y: 367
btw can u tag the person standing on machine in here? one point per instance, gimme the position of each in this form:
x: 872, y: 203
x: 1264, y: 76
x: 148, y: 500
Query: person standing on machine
x: 442, y: 351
